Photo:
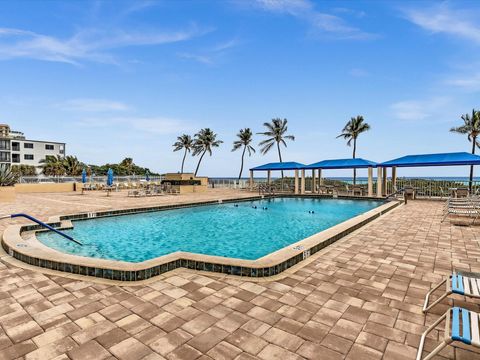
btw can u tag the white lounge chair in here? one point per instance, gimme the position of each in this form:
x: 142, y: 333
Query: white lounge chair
x: 459, y: 282
x: 461, y: 325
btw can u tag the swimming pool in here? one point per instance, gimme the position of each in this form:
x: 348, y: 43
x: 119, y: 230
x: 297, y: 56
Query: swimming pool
x: 245, y: 230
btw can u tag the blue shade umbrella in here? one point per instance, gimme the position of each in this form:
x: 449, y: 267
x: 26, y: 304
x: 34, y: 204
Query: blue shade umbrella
x: 147, y: 176
x: 110, y: 177
x: 84, y: 176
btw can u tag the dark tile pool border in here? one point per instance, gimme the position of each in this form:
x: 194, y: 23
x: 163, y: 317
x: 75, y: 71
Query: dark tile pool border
x: 186, y: 261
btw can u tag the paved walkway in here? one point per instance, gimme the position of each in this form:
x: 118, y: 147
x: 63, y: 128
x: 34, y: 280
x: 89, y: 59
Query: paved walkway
x: 358, y: 299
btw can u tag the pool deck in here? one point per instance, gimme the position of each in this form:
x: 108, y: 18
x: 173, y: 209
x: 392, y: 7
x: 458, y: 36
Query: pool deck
x: 359, y: 298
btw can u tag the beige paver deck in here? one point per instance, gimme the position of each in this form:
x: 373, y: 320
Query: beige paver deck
x: 358, y: 299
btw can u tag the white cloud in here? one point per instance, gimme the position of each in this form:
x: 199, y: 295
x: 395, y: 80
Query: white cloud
x: 419, y: 109
x: 443, y: 19
x: 86, y: 45
x: 293, y: 7
x: 210, y: 55
x: 324, y: 24
x: 468, y: 83
x: 92, y: 105
x: 150, y: 125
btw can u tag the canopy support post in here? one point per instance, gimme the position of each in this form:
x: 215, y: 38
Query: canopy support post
x: 320, y: 180
x: 302, y: 184
x: 251, y: 180
x: 296, y: 181
x: 394, y: 178
x: 268, y: 177
x: 379, y: 182
x: 370, y: 181
x: 314, y: 181
x: 384, y: 182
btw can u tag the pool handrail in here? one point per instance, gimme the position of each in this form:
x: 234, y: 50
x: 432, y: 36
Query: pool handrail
x: 41, y: 223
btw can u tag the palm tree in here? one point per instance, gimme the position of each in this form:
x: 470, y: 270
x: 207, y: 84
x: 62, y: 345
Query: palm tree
x: 276, y: 130
x: 72, y: 166
x: 205, y: 140
x: 471, y: 128
x: 350, y: 132
x: 53, y: 165
x: 244, y: 140
x: 128, y: 165
x: 183, y: 142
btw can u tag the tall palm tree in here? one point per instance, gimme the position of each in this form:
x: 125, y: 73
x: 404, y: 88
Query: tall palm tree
x: 53, y: 165
x: 350, y: 132
x: 128, y: 164
x: 471, y: 128
x: 244, y: 140
x: 205, y: 140
x: 276, y: 130
x: 183, y: 142
x: 72, y: 166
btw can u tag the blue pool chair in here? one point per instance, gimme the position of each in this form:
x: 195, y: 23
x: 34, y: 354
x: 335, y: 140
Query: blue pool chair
x: 461, y: 325
x: 459, y: 282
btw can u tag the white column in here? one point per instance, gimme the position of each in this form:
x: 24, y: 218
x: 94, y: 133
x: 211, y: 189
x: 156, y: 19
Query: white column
x: 394, y: 178
x: 384, y: 190
x: 268, y: 177
x: 251, y: 180
x: 302, y: 184
x: 319, y: 179
x: 314, y: 181
x: 296, y: 181
x: 370, y: 181
x: 379, y: 181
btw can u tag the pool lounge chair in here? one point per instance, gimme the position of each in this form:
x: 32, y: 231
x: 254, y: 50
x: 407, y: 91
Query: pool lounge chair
x: 461, y: 325
x: 459, y: 282
x: 462, y: 207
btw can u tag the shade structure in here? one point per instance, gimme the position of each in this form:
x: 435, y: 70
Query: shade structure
x: 84, y: 176
x: 279, y: 166
x: 442, y: 159
x: 357, y: 163
x: 147, y: 176
x: 110, y: 177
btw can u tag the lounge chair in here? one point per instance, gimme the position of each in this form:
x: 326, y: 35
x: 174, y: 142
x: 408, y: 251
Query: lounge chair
x: 459, y: 282
x: 461, y: 325
x: 462, y: 207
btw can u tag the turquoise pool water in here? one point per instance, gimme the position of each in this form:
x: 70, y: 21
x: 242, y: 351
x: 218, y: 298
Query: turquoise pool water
x: 231, y: 230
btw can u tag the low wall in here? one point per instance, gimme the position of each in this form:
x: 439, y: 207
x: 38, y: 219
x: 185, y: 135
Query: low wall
x: 184, y: 189
x: 45, y: 187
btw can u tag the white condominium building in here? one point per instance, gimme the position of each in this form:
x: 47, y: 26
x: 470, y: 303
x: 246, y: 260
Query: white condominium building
x: 15, y: 149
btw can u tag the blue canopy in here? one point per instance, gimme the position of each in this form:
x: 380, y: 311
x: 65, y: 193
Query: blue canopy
x: 342, y: 164
x: 444, y: 159
x: 110, y: 177
x: 84, y: 176
x: 279, y: 166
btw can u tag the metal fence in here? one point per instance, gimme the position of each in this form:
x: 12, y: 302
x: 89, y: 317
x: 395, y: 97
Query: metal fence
x: 424, y: 187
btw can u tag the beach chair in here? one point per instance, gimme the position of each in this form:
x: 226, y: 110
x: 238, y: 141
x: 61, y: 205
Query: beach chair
x: 460, y: 283
x: 469, y: 207
x: 461, y: 326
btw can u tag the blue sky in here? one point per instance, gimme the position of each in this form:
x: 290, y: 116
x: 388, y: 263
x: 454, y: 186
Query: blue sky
x: 118, y: 78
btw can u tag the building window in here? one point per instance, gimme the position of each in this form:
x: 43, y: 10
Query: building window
x: 4, y: 144
x: 49, y: 147
x: 15, y: 158
x: 28, y: 145
x: 4, y: 156
x: 15, y: 146
x: 28, y: 156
